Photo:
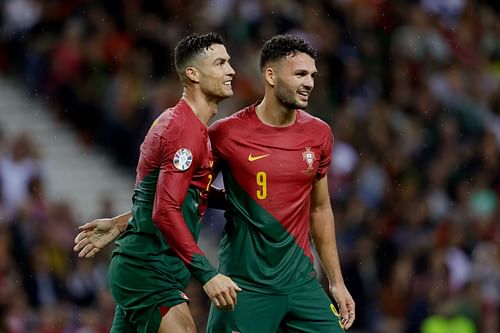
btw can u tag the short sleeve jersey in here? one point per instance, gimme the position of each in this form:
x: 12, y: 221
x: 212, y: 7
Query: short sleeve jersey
x: 268, y: 176
x: 173, y: 176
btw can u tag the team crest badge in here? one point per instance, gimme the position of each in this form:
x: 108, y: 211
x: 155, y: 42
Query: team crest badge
x: 308, y: 156
x: 183, y: 159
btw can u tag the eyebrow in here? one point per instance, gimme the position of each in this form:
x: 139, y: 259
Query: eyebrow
x: 305, y: 71
x: 221, y: 59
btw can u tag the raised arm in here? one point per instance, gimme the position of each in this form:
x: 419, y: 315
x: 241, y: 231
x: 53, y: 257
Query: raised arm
x: 322, y: 231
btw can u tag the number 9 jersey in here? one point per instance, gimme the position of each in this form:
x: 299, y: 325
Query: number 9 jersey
x: 268, y: 176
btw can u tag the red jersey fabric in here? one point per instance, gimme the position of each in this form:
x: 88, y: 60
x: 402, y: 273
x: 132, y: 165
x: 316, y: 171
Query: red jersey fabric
x: 269, y: 171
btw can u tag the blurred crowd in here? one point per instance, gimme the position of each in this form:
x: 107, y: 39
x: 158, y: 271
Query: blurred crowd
x: 411, y: 90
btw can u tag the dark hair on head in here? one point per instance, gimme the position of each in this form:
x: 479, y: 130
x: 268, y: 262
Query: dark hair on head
x: 281, y: 46
x: 192, y: 45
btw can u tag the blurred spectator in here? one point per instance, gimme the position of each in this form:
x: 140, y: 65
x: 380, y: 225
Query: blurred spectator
x: 18, y: 167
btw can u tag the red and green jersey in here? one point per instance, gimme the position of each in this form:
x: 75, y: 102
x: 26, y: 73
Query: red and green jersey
x: 173, y: 175
x: 268, y: 175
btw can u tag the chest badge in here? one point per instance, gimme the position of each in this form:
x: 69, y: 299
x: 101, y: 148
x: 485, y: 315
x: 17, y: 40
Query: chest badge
x: 182, y: 159
x: 309, y: 156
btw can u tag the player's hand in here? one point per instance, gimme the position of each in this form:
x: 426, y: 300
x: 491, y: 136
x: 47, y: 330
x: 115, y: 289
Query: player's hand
x: 345, y: 303
x: 222, y: 292
x: 94, y: 236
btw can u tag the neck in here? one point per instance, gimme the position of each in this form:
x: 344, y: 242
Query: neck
x: 203, y: 107
x: 273, y: 113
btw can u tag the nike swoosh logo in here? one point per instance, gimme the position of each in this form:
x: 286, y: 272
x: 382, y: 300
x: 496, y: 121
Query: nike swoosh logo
x: 255, y: 158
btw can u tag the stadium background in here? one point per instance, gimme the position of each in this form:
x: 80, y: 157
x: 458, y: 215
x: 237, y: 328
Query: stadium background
x: 410, y: 88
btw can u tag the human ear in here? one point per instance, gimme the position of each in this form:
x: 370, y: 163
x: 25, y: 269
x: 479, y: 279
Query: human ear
x: 192, y: 74
x: 270, y: 76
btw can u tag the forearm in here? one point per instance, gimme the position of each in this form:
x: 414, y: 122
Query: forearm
x: 178, y: 236
x: 323, y: 235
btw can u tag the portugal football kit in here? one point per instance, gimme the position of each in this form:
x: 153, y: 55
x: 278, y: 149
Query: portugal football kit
x: 268, y: 176
x: 154, y: 261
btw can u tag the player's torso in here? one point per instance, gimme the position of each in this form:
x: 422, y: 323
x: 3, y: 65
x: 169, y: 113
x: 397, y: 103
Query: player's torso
x: 160, y: 150
x: 276, y: 167
x: 268, y: 176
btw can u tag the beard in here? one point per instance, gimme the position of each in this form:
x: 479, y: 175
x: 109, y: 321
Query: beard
x: 217, y: 92
x: 287, y: 97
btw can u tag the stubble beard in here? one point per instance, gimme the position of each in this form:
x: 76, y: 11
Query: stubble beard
x: 288, y: 98
x: 219, y: 93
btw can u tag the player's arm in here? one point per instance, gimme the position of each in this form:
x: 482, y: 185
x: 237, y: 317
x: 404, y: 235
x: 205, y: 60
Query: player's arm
x: 322, y: 231
x: 171, y: 191
x: 95, y: 235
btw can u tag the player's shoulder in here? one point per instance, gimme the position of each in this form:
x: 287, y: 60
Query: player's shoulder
x: 176, y: 122
x: 312, y: 123
x: 165, y: 123
x: 232, y: 122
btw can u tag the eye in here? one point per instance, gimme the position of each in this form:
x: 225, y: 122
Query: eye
x: 301, y: 73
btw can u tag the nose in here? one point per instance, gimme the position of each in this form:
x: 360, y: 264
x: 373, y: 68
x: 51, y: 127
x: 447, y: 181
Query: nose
x: 231, y: 71
x: 309, y: 82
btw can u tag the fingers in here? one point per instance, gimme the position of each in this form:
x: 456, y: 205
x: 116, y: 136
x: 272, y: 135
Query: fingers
x: 347, y: 321
x: 226, y: 301
x: 222, y: 292
x: 85, y: 248
x: 226, y: 308
x: 229, y: 297
x: 351, y: 315
x: 80, y: 236
x: 235, y: 286
x: 232, y: 295
x: 347, y: 314
x: 344, y: 315
x: 88, y: 226
x: 81, y: 241
x: 93, y: 252
x: 88, y: 251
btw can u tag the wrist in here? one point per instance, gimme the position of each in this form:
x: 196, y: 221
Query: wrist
x: 115, y: 232
x: 335, y: 282
x: 121, y: 227
x: 119, y: 223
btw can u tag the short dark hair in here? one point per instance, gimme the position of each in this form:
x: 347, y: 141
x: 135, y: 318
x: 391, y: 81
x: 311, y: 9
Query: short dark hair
x: 192, y: 45
x: 281, y: 46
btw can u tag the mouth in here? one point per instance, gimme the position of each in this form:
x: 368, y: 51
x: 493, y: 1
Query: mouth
x: 303, y: 94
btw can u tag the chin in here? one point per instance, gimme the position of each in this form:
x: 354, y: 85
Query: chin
x: 302, y: 105
x: 224, y: 95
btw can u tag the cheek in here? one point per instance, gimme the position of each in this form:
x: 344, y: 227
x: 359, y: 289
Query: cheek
x: 209, y: 80
x: 283, y: 85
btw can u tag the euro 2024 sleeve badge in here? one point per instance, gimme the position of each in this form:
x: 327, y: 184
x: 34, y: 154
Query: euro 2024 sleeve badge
x: 183, y: 159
